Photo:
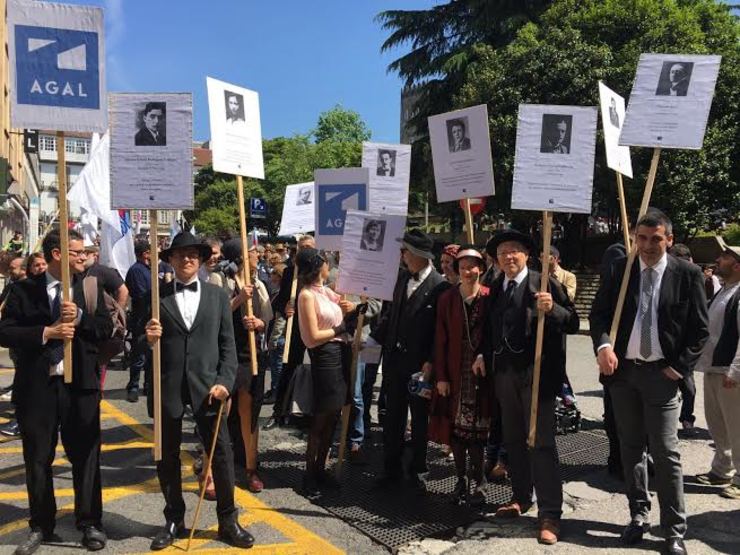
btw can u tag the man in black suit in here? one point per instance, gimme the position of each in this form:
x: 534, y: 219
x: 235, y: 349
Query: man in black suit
x: 508, y: 351
x: 406, y: 332
x: 662, y: 330
x: 152, y: 132
x: 35, y: 322
x: 198, y: 368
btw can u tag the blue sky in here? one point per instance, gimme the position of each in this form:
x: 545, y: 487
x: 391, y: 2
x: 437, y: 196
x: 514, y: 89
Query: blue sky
x: 302, y: 56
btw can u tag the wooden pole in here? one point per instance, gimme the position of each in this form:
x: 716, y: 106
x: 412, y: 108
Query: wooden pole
x: 546, y: 239
x: 289, y: 323
x: 245, y: 264
x: 347, y: 409
x: 207, y: 472
x: 623, y: 212
x: 64, y: 243
x: 156, y: 347
x: 469, y: 222
x: 633, y: 249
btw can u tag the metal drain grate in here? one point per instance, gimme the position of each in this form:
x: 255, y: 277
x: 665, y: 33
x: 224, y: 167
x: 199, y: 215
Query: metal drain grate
x: 394, y: 519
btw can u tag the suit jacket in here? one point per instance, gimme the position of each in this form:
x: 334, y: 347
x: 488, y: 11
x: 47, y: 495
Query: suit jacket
x: 206, y: 353
x: 421, y: 310
x: 682, y: 88
x: 682, y: 312
x: 26, y: 314
x: 144, y: 138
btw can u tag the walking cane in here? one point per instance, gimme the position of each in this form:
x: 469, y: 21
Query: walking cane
x: 207, y: 472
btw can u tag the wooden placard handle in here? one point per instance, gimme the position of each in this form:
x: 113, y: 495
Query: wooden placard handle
x: 246, y: 270
x: 156, y: 347
x: 64, y: 244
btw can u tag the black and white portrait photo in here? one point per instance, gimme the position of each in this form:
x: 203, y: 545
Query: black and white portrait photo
x: 674, y: 79
x: 373, y: 235
x: 613, y: 115
x: 457, y: 134
x: 151, y: 122
x: 386, y: 165
x: 304, y: 196
x: 234, y: 104
x: 556, y: 132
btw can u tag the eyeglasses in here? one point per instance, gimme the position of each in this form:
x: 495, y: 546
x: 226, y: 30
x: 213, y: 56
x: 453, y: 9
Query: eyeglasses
x: 78, y: 254
x: 505, y: 254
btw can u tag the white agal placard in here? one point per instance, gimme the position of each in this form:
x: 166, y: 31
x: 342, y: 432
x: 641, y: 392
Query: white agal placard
x: 554, y: 158
x: 236, y: 133
x: 612, y: 117
x: 390, y: 167
x: 461, y: 152
x: 371, y: 250
x: 298, y: 209
x: 151, y: 150
x: 57, y: 66
x: 670, y: 101
x: 335, y: 192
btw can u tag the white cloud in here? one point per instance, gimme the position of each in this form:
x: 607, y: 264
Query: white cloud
x: 115, y: 35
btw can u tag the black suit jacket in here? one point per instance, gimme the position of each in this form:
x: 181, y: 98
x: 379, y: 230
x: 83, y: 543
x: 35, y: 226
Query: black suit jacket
x: 682, y: 312
x: 206, y: 353
x: 26, y: 314
x: 144, y: 138
x: 422, y: 309
x: 562, y: 320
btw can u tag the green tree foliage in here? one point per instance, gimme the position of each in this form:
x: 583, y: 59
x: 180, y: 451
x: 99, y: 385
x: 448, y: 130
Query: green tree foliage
x: 342, y: 126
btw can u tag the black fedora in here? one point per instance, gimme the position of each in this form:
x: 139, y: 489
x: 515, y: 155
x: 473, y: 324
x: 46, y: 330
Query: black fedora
x: 509, y: 235
x: 184, y: 240
x: 418, y: 243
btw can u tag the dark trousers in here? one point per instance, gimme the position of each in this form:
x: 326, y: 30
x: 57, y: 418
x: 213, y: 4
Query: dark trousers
x: 77, y: 415
x: 536, y: 469
x: 495, y: 451
x: 398, y: 402
x: 688, y: 397
x: 646, y: 406
x: 141, y: 361
x: 610, y: 427
x: 169, y: 468
x: 368, y: 384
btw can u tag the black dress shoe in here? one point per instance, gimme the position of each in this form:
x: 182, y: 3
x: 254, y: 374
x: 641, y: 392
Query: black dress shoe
x: 132, y: 395
x: 632, y: 534
x: 167, y: 536
x: 34, y: 540
x: 93, y: 538
x: 675, y: 546
x: 233, y: 534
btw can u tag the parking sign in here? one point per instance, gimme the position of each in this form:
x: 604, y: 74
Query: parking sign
x: 257, y: 208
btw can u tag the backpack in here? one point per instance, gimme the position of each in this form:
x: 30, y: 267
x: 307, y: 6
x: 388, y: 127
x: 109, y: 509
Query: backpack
x: 114, y: 344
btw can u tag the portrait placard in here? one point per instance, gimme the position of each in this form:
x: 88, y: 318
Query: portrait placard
x: 371, y: 250
x: 236, y: 132
x: 298, y: 209
x: 612, y: 117
x: 151, y: 137
x: 461, y: 152
x: 670, y: 101
x: 57, y: 66
x: 554, y: 158
x: 390, y: 167
x: 335, y: 192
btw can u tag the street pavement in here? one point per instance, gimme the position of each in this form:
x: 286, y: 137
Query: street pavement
x: 286, y: 523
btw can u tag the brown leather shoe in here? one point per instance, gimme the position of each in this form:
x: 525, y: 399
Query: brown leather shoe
x: 512, y: 509
x: 549, y: 531
x: 498, y: 473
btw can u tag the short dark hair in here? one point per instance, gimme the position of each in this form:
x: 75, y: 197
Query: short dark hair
x: 457, y: 123
x: 153, y: 106
x: 679, y: 250
x: 53, y: 241
x: 373, y: 223
x: 141, y: 246
x: 655, y: 217
x: 384, y: 151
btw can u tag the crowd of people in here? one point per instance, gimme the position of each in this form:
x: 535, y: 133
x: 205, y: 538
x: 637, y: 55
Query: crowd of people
x: 457, y: 350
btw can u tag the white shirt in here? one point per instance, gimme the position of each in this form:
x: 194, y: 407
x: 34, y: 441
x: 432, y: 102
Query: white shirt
x: 633, y: 345
x: 414, y: 284
x: 716, y: 322
x: 188, y: 301
x: 518, y: 279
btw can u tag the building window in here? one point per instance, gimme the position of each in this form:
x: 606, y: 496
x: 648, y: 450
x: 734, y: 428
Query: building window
x: 76, y: 146
x: 48, y: 143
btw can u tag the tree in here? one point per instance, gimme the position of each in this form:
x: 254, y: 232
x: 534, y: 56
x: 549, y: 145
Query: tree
x: 341, y: 125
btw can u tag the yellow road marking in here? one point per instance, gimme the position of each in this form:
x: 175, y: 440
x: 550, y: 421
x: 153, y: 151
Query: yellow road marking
x: 132, y: 444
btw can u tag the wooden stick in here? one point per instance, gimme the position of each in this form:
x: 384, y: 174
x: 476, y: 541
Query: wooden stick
x: 156, y: 347
x: 546, y: 238
x: 289, y: 323
x: 207, y: 472
x: 633, y: 249
x: 64, y: 244
x: 623, y: 212
x: 245, y: 264
x: 469, y: 222
x: 347, y: 409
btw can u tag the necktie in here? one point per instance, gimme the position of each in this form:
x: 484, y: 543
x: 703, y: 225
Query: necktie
x: 190, y: 286
x: 56, y: 346
x: 510, y: 291
x: 646, y: 302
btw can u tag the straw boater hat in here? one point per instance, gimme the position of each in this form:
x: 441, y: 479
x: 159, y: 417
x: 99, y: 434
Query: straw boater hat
x: 468, y: 251
x: 734, y: 251
x: 184, y: 240
x: 508, y: 235
x: 418, y: 243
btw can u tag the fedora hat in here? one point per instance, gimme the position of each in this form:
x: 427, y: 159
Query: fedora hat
x: 509, y: 235
x: 184, y: 240
x: 418, y: 243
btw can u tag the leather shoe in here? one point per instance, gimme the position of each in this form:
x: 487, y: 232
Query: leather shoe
x: 512, y: 509
x: 233, y: 534
x: 675, y: 546
x: 93, y: 538
x: 167, y: 536
x: 632, y: 534
x: 34, y: 540
x: 132, y: 395
x: 549, y: 531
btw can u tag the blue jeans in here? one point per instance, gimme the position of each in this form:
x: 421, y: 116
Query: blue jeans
x: 276, y: 364
x: 357, y: 415
x: 140, y: 362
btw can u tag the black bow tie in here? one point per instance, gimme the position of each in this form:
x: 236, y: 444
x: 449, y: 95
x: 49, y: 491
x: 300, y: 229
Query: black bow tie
x: 415, y: 276
x: 190, y: 286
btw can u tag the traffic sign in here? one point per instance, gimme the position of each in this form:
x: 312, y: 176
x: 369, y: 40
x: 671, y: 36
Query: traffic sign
x: 257, y: 208
x: 477, y: 205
